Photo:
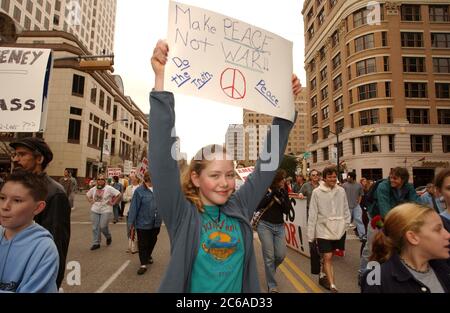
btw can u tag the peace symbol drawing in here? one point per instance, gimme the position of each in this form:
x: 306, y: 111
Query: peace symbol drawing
x: 233, y: 83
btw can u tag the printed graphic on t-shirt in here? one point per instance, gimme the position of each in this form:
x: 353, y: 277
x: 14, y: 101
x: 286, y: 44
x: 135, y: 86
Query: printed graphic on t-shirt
x: 98, y: 196
x: 220, y: 245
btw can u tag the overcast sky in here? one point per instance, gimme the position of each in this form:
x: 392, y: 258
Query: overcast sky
x: 139, y: 25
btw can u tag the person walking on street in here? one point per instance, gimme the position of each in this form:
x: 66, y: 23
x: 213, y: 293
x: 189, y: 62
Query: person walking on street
x: 354, y: 192
x: 127, y: 196
x: 207, y: 221
x: 144, y: 217
x: 328, y: 221
x: 33, y: 155
x: 68, y: 186
x: 270, y: 229
x: 116, y: 209
x: 102, y: 197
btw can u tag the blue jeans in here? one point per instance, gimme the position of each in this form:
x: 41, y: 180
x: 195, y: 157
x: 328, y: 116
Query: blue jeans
x: 367, y: 251
x: 100, y: 224
x: 116, y: 210
x: 273, y: 244
x: 357, y: 220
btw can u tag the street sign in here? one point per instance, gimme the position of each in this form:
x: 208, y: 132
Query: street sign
x: 306, y: 155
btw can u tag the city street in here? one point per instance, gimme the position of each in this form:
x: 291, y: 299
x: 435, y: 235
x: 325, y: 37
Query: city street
x: 110, y: 269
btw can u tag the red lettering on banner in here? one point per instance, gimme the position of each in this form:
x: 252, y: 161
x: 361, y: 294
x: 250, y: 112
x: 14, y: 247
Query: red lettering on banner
x: 290, y: 234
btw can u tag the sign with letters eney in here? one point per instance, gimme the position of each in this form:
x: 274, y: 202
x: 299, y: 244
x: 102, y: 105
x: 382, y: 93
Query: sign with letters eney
x: 226, y: 60
x: 24, y: 76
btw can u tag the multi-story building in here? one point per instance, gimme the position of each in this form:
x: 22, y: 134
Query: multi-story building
x: 234, y: 141
x: 92, y: 22
x: 256, y: 127
x: 84, y: 107
x: 378, y: 75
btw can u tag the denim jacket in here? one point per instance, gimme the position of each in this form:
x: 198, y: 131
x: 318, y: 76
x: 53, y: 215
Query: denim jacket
x: 143, y: 213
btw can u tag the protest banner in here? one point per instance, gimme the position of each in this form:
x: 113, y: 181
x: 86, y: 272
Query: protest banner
x: 114, y: 171
x: 24, y: 76
x: 226, y: 60
x: 142, y: 168
x: 244, y: 172
x: 127, y: 166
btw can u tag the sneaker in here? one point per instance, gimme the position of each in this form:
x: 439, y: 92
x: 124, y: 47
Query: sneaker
x: 323, y: 281
x: 141, y: 270
x: 273, y: 290
x: 108, y: 241
x: 95, y: 247
x: 333, y: 289
x: 150, y: 261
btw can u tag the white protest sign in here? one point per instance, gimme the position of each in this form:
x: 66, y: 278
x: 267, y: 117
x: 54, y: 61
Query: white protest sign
x: 112, y: 171
x: 223, y: 59
x: 142, y: 168
x: 107, y: 146
x: 244, y: 172
x: 24, y: 76
x: 127, y: 166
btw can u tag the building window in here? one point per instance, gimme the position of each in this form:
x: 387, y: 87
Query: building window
x: 314, y: 119
x: 372, y: 173
x: 340, y: 148
x: 315, y: 137
x: 360, y: 17
x: 350, y: 96
x: 349, y: 72
x: 74, y: 131
x: 322, y: 53
x: 390, y: 118
x: 443, y: 91
x: 353, y: 146
x: 338, y: 105
x: 313, y: 84
x: 444, y: 117
x: 336, y: 61
x: 324, y: 93
x: 413, y: 65
x: 420, y: 143
x: 441, y: 65
x: 335, y: 39
x: 418, y: 116
x: 370, y: 144
x: 352, y: 121
x: 332, y: 3
x: 387, y: 88
x: 78, y: 85
x: 314, y: 156
x: 384, y: 39
x: 326, y: 154
x: 413, y: 40
x: 364, y: 42
x: 323, y: 74
x: 101, y: 102
x: 310, y: 15
x: 386, y: 63
x: 325, y: 113
x: 94, y: 95
x: 311, y: 32
x: 368, y: 117
x: 368, y: 91
x: 366, y: 67
x: 337, y: 82
x: 347, y: 49
x: 446, y: 144
x: 391, y: 143
x: 76, y: 111
x: 440, y: 40
x: 339, y: 126
x: 108, y: 105
x: 326, y: 132
x: 313, y: 102
x: 312, y: 65
x: 416, y: 90
x: 5, y: 5
x: 410, y: 12
x: 321, y: 17
x: 439, y: 13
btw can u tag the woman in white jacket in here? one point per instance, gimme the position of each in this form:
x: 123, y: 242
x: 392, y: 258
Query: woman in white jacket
x: 329, y: 217
x: 127, y: 196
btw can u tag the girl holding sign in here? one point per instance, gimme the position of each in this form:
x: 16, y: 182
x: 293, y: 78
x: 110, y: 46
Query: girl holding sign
x: 208, y: 225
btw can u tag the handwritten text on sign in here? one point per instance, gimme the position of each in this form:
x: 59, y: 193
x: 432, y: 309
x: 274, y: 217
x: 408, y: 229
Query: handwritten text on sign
x: 24, y: 76
x: 223, y: 59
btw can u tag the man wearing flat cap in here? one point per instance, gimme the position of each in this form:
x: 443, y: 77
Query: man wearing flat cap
x: 33, y: 154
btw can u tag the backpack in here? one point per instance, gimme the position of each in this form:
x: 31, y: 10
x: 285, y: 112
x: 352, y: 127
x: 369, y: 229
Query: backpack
x: 370, y: 199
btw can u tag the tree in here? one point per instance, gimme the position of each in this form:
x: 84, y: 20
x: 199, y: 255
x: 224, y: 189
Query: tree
x: 289, y: 164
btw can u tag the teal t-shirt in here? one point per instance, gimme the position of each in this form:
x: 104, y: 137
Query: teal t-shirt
x: 219, y: 264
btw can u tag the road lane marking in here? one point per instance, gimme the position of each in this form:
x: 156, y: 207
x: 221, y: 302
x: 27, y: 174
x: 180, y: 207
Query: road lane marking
x: 303, y: 276
x: 297, y: 285
x: 113, y: 277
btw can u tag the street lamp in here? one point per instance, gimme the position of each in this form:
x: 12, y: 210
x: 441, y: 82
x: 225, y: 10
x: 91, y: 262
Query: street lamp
x: 337, y: 151
x: 102, y: 138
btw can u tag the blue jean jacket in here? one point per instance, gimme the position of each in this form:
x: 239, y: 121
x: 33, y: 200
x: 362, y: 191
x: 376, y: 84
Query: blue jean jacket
x: 143, y: 213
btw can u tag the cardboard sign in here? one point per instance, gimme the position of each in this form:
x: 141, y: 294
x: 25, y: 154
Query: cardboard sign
x: 127, y: 166
x: 24, y: 76
x: 107, y: 146
x: 244, y: 172
x: 114, y: 171
x: 296, y: 227
x: 226, y: 60
x: 142, y: 168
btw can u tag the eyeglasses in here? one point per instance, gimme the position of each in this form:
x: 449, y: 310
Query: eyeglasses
x: 20, y: 154
x: 314, y: 174
x: 100, y: 179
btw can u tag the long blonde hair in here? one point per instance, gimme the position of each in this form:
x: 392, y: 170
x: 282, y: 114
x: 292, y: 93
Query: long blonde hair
x: 401, y: 219
x: 198, y: 163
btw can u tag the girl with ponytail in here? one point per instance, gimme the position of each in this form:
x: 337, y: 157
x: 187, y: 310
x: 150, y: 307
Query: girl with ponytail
x: 412, y: 248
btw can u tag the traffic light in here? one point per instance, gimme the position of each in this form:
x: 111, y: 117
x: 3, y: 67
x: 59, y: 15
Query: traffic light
x: 97, y: 65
